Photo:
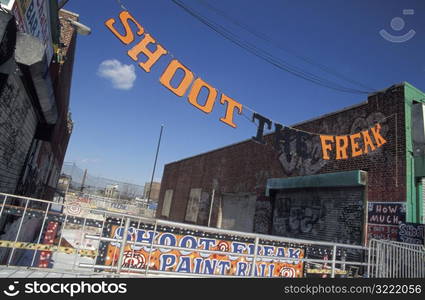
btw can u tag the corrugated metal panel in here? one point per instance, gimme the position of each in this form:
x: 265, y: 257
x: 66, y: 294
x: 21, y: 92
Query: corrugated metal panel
x: 423, y: 199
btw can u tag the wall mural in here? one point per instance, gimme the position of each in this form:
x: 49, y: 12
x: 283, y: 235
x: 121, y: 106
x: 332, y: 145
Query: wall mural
x: 303, y: 153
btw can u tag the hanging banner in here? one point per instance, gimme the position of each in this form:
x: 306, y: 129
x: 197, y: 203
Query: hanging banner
x: 192, y: 260
x: 186, y: 85
x: 181, y: 81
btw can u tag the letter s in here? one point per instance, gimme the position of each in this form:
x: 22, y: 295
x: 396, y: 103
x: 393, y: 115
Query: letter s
x: 122, y: 288
x: 125, y: 17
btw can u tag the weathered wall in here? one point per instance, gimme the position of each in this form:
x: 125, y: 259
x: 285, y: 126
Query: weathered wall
x: 327, y: 214
x: 246, y: 166
x: 18, y: 123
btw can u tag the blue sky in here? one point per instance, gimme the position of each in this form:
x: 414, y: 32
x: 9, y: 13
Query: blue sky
x: 117, y: 123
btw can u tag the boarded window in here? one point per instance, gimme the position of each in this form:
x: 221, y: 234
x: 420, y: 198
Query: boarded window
x: 166, y: 207
x: 193, y: 205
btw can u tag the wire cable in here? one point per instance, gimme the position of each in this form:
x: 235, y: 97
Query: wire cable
x: 267, y: 56
x: 267, y: 38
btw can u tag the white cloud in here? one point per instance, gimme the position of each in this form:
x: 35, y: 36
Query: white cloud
x: 122, y: 76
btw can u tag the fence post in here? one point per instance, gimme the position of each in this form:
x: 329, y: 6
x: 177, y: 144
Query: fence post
x: 333, y: 261
x: 151, y: 247
x: 123, y: 243
x: 254, y: 260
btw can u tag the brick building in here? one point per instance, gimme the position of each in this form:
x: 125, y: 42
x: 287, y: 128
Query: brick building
x: 35, y: 121
x: 295, y: 192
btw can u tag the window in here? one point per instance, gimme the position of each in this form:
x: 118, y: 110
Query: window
x: 166, y: 207
x: 193, y: 205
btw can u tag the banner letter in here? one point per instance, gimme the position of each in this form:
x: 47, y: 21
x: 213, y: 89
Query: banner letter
x: 230, y: 109
x: 169, y: 73
x: 260, y: 131
x: 125, y: 17
x: 141, y: 47
x: 355, y: 148
x: 325, y: 146
x: 377, y: 135
x: 341, y: 147
x: 194, y: 93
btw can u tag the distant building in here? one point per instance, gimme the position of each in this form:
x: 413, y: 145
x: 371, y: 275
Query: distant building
x: 154, y: 195
x: 111, y: 191
x: 64, y: 182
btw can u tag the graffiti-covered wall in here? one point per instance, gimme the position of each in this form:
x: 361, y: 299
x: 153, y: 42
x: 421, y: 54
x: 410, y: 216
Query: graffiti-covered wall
x: 245, y: 167
x: 18, y: 123
x: 331, y: 214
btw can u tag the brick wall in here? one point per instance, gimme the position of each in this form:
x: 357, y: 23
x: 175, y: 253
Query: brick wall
x: 246, y: 166
x: 18, y: 123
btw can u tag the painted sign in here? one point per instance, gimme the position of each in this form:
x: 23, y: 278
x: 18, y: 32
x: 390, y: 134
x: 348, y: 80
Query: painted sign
x: 386, y: 213
x: 382, y: 232
x: 36, y: 14
x: 411, y: 233
x: 194, y: 261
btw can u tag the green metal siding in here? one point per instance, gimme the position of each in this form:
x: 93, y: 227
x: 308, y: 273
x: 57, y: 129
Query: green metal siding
x: 339, y: 179
x: 413, y: 205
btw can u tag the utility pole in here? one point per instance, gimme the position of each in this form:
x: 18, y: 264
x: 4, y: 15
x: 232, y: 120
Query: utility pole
x: 84, y: 180
x: 154, y: 165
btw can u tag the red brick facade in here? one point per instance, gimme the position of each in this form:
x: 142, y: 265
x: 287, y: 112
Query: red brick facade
x: 245, y: 167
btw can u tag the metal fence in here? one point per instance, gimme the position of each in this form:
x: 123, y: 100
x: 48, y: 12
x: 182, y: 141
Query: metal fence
x: 389, y: 259
x: 38, y: 239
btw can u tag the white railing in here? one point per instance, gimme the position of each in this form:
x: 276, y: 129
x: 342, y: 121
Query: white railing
x: 72, y: 241
x: 389, y: 259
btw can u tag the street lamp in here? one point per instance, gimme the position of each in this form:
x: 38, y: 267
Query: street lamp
x: 79, y: 27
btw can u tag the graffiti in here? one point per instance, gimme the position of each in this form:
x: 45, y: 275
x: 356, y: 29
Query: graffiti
x: 74, y: 209
x: 386, y: 213
x: 334, y: 215
x: 132, y: 259
x: 298, y: 217
x: 382, y: 232
x: 191, y: 260
x: 363, y: 123
x: 288, y: 273
x: 411, y: 233
x: 350, y: 214
x: 301, y: 153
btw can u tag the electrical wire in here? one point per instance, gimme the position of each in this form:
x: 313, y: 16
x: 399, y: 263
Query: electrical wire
x: 262, y: 54
x: 268, y: 39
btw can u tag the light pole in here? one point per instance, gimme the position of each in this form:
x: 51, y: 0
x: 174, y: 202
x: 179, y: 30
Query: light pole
x: 154, y: 166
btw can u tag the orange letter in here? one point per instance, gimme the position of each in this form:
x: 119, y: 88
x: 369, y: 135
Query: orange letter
x: 325, y: 146
x: 356, y: 151
x: 141, y: 47
x: 194, y: 93
x: 377, y: 135
x: 341, y: 148
x: 169, y: 74
x: 367, y: 142
x: 129, y: 36
x: 231, y: 105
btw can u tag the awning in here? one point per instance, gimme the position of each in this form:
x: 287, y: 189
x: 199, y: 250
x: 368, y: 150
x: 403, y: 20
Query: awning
x: 339, y: 179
